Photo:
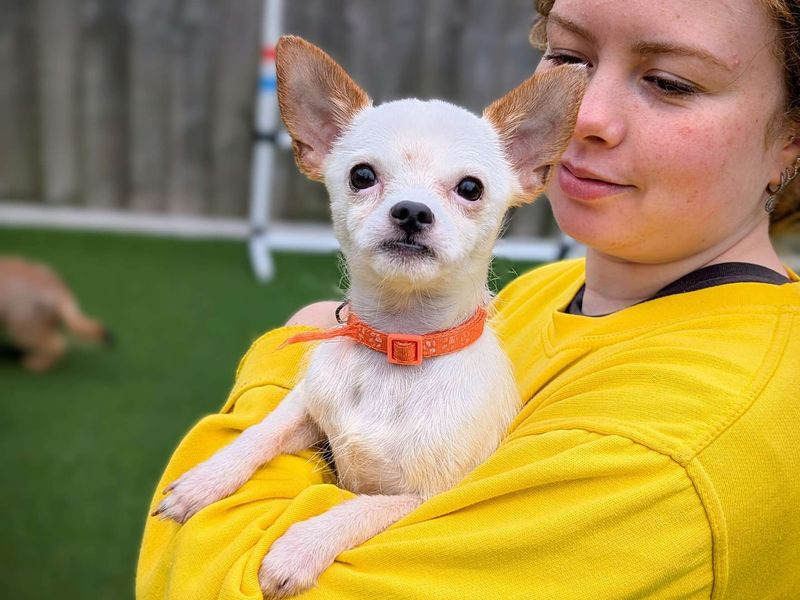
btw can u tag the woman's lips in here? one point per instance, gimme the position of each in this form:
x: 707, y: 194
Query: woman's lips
x: 585, y: 188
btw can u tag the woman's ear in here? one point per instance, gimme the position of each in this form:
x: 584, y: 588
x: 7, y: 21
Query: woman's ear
x: 535, y: 120
x: 317, y: 99
x: 792, y: 147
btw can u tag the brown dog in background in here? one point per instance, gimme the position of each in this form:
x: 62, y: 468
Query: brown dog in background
x: 34, y: 306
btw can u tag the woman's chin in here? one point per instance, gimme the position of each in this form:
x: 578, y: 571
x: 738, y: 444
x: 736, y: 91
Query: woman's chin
x: 609, y: 235
x: 589, y: 225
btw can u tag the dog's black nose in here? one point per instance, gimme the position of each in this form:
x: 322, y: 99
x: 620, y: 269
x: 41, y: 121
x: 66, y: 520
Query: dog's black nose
x: 412, y: 217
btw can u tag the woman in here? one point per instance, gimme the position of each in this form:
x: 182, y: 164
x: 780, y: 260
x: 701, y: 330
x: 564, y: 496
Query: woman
x: 655, y: 456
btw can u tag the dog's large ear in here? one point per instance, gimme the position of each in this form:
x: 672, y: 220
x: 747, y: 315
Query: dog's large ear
x: 317, y: 101
x: 535, y: 120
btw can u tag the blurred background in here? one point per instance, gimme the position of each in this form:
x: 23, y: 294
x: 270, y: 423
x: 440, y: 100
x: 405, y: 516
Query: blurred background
x: 127, y: 136
x: 148, y: 105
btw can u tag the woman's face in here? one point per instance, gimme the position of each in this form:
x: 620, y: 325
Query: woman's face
x: 674, y: 121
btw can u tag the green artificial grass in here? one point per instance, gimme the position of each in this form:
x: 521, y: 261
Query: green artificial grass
x: 82, y: 447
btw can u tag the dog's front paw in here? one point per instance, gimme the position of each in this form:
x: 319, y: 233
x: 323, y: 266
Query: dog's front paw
x: 197, y: 488
x: 295, y: 561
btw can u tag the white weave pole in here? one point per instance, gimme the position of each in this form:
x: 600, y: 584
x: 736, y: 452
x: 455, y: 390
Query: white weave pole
x: 267, y: 137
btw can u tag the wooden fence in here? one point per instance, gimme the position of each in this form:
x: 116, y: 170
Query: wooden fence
x: 148, y: 105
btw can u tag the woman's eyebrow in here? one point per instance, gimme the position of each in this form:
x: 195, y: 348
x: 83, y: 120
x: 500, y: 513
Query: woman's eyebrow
x: 641, y: 48
x: 649, y: 48
x: 570, y: 26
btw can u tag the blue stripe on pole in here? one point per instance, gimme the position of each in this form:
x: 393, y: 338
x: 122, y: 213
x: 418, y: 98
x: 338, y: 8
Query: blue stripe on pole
x: 268, y: 84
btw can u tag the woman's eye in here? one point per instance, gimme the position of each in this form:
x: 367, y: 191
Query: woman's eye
x: 470, y: 189
x: 362, y: 177
x: 670, y: 87
x: 559, y: 58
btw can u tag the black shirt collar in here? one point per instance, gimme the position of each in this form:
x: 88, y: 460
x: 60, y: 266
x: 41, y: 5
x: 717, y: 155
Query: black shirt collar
x: 705, y: 277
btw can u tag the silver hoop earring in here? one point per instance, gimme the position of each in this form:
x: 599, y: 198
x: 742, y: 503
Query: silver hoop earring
x: 787, y: 176
x: 772, y: 202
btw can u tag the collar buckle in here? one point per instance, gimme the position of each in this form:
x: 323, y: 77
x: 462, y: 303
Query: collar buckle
x: 404, y: 349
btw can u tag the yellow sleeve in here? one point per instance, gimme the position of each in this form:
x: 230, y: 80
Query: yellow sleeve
x: 562, y: 515
x: 558, y: 514
x: 220, y: 546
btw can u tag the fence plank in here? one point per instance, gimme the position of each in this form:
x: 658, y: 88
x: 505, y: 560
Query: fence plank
x: 57, y: 47
x: 384, y: 60
x: 190, y: 97
x: 152, y: 23
x: 18, y: 125
x: 104, y: 96
x: 442, y: 29
x: 236, y: 73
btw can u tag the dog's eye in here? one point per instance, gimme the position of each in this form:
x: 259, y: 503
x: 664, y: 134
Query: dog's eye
x: 470, y: 188
x: 362, y: 177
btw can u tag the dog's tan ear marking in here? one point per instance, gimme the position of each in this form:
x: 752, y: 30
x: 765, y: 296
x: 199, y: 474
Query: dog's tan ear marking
x: 317, y: 99
x: 535, y: 120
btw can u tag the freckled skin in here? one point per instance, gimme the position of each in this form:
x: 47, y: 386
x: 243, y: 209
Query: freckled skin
x: 698, y: 165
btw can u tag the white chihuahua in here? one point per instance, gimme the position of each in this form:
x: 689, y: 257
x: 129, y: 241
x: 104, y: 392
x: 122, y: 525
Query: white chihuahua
x: 418, y: 195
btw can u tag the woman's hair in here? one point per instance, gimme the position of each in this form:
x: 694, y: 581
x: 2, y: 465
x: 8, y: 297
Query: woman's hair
x: 785, y: 14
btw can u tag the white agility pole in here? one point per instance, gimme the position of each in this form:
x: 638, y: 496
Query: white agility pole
x: 267, y: 135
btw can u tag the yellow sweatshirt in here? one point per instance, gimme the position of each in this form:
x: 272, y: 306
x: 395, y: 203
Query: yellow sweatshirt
x: 656, y: 456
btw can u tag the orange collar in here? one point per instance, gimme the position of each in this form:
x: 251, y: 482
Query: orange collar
x: 400, y: 348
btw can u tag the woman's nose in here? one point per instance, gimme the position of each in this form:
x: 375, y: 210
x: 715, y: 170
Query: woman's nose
x: 601, y: 118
